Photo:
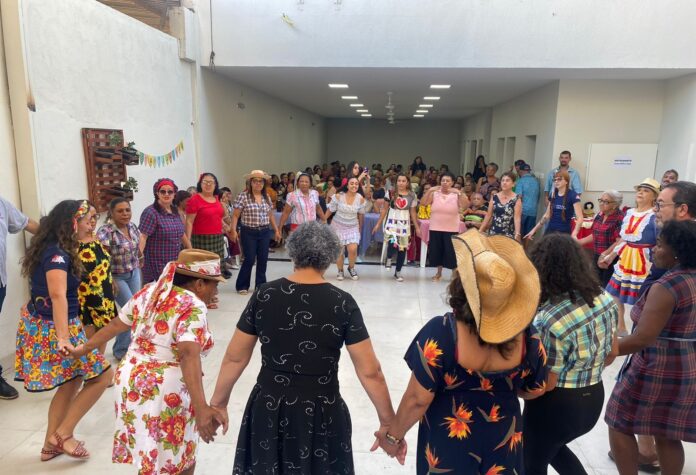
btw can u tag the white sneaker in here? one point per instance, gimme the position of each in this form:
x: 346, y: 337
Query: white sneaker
x: 353, y: 273
x: 340, y: 275
x: 388, y: 263
x: 398, y: 277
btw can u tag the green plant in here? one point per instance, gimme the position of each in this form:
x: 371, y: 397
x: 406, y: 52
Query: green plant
x: 115, y: 139
x: 131, y: 184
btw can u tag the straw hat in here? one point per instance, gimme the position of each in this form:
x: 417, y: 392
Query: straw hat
x: 199, y: 263
x: 649, y: 183
x: 257, y: 174
x: 500, y: 283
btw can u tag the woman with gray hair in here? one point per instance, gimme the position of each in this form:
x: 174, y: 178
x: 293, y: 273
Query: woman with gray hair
x: 605, y: 233
x: 295, y: 420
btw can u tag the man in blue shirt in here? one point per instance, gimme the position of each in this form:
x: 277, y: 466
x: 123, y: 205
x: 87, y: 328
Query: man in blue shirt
x: 528, y: 189
x: 575, y: 183
x: 12, y: 221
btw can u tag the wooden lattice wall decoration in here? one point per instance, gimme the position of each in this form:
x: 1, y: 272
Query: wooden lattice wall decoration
x: 105, y: 165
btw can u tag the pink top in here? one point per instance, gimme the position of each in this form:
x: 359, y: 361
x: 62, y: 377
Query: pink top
x: 444, y: 212
x: 304, y: 208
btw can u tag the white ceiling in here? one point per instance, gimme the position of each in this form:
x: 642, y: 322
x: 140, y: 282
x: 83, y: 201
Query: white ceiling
x: 472, y: 89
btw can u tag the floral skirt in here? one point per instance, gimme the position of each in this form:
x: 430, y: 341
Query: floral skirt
x: 37, y: 360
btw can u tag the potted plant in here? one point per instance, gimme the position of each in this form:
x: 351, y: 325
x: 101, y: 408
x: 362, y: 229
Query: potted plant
x: 130, y: 154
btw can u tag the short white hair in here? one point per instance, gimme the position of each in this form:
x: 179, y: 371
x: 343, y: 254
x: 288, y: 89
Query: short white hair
x: 616, y: 196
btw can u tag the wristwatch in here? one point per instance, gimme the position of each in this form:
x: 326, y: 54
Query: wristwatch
x: 391, y: 439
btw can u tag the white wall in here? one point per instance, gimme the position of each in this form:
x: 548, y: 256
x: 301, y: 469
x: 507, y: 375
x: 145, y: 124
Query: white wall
x: 375, y: 141
x: 678, y: 132
x: 266, y: 134
x: 111, y: 72
x: 476, y: 131
x: 452, y: 33
x: 606, y: 112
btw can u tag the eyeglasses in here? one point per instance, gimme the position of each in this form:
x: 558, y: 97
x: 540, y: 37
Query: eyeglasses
x: 165, y: 192
x: 208, y: 182
x: 95, y: 217
x: 605, y: 202
x: 662, y: 204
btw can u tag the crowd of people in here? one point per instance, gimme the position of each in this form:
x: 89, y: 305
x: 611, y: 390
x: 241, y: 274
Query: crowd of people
x: 537, y: 313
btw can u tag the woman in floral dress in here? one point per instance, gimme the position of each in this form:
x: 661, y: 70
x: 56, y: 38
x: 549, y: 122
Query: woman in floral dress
x: 469, y: 366
x: 504, y: 215
x: 160, y: 404
x: 95, y: 293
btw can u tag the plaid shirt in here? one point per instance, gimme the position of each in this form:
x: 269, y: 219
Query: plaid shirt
x: 577, y: 338
x: 604, y: 234
x: 254, y: 215
x: 164, y: 232
x: 124, y: 252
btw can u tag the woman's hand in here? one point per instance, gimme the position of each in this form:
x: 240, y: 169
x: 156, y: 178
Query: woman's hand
x: 518, y: 237
x: 208, y: 419
x: 277, y: 237
x: 77, y: 352
x: 418, y: 231
x: 222, y: 411
x: 393, y: 450
x: 234, y: 237
x: 530, y: 234
x: 65, y: 348
x: 374, y: 230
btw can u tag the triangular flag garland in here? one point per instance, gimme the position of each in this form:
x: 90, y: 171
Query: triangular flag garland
x: 156, y: 161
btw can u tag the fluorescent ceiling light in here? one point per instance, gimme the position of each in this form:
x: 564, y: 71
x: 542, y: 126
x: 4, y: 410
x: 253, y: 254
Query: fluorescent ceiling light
x: 418, y: 115
x: 422, y: 111
x: 425, y: 106
x: 431, y: 98
x: 340, y: 86
x: 350, y: 98
x: 438, y: 86
x: 362, y: 110
x: 357, y: 105
x: 366, y: 115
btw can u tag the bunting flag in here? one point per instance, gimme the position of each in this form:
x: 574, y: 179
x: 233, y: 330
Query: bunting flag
x: 156, y: 161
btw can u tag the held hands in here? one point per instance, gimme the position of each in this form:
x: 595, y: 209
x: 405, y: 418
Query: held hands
x: 208, y: 419
x: 277, y: 237
x: 233, y: 235
x: 530, y: 234
x: 393, y: 450
x: 66, y: 349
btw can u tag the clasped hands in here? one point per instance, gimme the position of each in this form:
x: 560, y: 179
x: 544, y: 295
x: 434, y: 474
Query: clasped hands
x: 397, y: 451
x: 209, y: 419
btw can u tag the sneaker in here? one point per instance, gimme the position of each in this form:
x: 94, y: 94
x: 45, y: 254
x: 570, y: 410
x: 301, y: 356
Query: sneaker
x: 353, y: 273
x: 388, y: 263
x: 7, y: 391
x: 398, y: 277
x: 234, y: 267
x: 340, y: 275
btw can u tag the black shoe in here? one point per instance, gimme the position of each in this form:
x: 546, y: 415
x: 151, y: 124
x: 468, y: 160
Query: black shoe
x: 7, y: 391
x: 226, y: 274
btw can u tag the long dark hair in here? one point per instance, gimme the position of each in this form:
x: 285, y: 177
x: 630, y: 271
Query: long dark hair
x: 58, y: 227
x: 349, y: 169
x: 462, y: 312
x: 249, y: 191
x: 199, y: 185
x: 564, y: 270
x: 155, y: 189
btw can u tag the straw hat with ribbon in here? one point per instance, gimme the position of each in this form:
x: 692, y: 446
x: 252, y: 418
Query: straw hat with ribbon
x: 650, y: 184
x: 257, y: 174
x: 500, y: 282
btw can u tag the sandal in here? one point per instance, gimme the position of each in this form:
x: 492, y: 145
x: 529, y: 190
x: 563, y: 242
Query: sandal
x: 648, y: 467
x: 212, y: 306
x: 79, y: 453
x: 436, y: 278
x: 50, y: 453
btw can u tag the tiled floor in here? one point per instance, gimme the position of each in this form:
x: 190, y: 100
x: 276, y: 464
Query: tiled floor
x: 393, y: 313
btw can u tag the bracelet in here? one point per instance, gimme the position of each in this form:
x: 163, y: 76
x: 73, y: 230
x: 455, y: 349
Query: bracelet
x: 391, y: 439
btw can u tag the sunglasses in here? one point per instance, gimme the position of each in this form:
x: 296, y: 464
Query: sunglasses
x: 165, y: 192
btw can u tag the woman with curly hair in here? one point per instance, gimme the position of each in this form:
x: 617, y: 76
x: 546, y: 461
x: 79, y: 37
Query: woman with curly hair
x: 655, y: 391
x: 96, y: 291
x: 577, y: 321
x: 49, y: 327
x: 162, y: 233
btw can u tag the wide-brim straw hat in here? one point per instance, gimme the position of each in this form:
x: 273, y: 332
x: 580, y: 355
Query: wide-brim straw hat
x: 649, y: 183
x: 257, y: 174
x: 199, y: 263
x: 501, y: 284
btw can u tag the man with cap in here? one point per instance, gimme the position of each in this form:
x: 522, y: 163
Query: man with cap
x: 527, y: 189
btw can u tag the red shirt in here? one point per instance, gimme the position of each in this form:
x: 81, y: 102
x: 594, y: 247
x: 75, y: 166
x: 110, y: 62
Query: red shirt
x: 208, y: 215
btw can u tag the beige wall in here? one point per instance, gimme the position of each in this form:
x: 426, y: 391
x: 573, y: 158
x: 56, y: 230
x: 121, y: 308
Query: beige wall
x: 678, y: 132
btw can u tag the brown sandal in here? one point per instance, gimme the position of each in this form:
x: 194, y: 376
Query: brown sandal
x: 50, y: 453
x: 79, y: 453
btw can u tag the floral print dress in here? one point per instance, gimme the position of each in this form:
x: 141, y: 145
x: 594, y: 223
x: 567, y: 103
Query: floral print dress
x: 95, y: 294
x: 155, y: 424
x: 474, y: 424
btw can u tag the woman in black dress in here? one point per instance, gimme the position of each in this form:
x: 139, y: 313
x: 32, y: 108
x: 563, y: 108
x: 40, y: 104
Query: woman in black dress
x: 295, y: 420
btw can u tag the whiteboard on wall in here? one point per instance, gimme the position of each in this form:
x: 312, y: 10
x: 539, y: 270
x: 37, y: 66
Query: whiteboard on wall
x: 619, y: 166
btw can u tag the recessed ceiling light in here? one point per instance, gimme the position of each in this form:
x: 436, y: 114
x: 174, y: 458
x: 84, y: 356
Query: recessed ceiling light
x: 357, y: 105
x: 350, y: 98
x: 366, y: 115
x: 422, y: 111
x: 340, y: 86
x: 418, y: 115
x: 425, y: 106
x: 431, y: 98
x: 362, y: 110
x: 438, y: 86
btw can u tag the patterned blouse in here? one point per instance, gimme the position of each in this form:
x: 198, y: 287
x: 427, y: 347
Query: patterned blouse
x: 605, y: 233
x: 124, y: 251
x: 254, y: 215
x: 164, y: 232
x: 304, y: 208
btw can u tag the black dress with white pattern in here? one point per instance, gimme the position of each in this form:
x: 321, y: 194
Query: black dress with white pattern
x: 295, y: 421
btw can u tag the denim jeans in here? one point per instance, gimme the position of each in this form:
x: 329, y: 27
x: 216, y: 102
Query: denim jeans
x: 127, y: 285
x: 255, y: 244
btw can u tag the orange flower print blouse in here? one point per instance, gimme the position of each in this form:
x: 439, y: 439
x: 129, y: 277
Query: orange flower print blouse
x: 474, y: 424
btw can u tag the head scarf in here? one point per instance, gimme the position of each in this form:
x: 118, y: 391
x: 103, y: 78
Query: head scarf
x: 163, y: 182
x: 81, y: 212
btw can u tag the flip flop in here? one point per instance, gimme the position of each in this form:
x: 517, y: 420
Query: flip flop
x: 648, y: 467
